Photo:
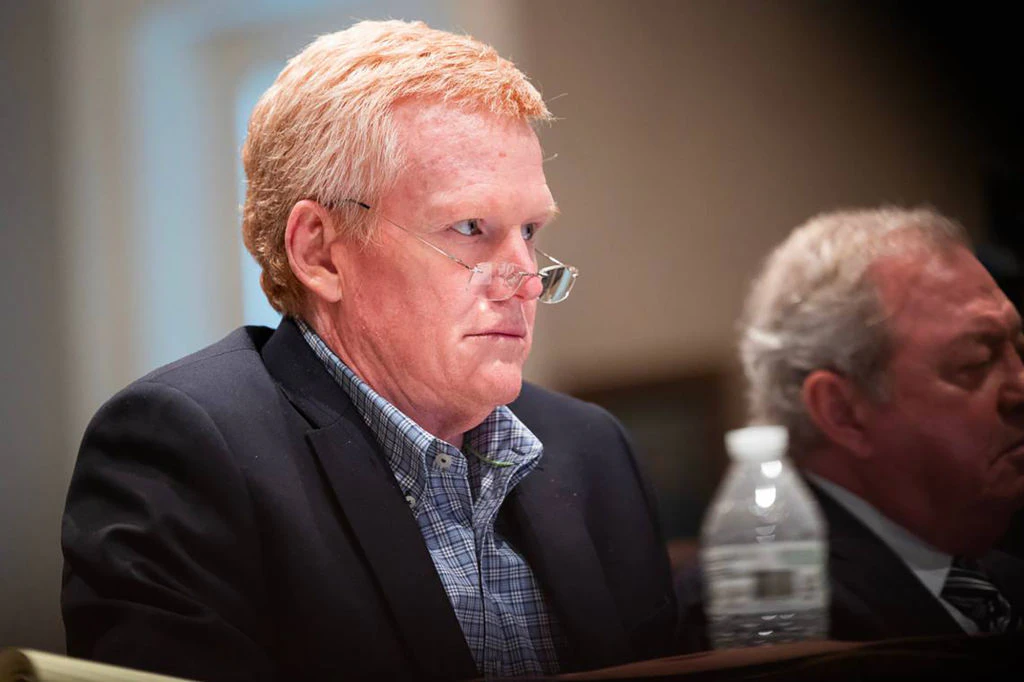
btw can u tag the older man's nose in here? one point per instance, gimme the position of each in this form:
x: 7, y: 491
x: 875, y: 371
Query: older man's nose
x: 1011, y: 396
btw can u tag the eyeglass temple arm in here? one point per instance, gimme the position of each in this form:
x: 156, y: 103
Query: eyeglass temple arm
x: 571, y: 268
x: 449, y: 256
x: 421, y: 239
x: 435, y: 248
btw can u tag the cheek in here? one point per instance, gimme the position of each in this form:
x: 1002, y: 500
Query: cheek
x: 964, y: 433
x: 530, y: 311
x: 429, y: 303
x: 928, y: 441
x: 955, y: 447
x: 971, y: 423
x: 531, y: 315
x: 407, y: 325
x: 941, y: 412
x: 441, y: 320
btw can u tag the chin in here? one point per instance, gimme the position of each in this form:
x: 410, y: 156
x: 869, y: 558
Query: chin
x: 498, y: 385
x: 978, y: 532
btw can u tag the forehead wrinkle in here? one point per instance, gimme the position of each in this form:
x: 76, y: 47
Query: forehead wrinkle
x: 987, y: 306
x: 910, y: 293
x: 949, y: 294
x: 463, y: 133
x: 482, y: 193
x: 462, y: 165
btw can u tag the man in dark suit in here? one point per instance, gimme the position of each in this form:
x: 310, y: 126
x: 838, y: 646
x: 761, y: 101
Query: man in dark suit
x: 894, y: 360
x: 370, y: 490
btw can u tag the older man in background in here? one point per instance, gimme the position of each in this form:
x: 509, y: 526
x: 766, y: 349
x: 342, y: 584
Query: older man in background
x: 894, y: 360
x: 371, y: 489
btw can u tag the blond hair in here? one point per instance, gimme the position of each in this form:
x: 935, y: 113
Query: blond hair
x: 815, y: 306
x: 324, y: 130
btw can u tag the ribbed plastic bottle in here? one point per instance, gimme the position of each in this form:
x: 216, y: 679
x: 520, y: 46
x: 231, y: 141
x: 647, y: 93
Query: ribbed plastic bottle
x: 764, y: 548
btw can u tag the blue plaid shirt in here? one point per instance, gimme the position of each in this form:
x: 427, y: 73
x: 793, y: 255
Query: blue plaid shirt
x: 455, y: 497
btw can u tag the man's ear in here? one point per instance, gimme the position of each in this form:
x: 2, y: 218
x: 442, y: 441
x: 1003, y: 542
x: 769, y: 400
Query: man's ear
x: 307, y: 239
x: 838, y: 408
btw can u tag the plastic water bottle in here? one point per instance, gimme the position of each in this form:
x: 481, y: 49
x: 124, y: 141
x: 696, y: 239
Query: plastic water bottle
x: 764, y: 548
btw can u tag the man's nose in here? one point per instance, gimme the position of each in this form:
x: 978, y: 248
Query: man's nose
x: 1011, y: 397
x: 522, y: 255
x: 530, y: 288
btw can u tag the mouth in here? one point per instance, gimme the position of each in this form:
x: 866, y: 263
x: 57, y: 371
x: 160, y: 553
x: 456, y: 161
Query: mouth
x: 1014, y: 449
x: 499, y: 334
x: 508, y: 330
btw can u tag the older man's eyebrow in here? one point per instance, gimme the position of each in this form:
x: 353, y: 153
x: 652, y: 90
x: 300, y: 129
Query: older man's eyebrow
x: 990, y: 332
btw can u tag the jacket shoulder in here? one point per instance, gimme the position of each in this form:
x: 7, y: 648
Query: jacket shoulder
x: 214, y: 380
x: 232, y: 349
x: 228, y: 366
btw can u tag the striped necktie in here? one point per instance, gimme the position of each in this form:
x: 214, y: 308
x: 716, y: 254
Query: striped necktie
x: 969, y: 590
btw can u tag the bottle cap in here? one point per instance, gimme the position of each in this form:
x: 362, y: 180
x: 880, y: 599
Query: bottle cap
x: 757, y: 443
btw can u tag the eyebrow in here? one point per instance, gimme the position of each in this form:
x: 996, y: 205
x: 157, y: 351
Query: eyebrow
x: 550, y: 215
x: 992, y: 333
x: 466, y: 210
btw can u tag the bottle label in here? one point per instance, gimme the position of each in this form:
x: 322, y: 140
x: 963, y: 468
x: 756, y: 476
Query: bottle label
x: 775, y: 576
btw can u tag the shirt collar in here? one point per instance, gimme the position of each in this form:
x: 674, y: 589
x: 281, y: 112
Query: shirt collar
x: 930, y: 565
x: 501, y: 439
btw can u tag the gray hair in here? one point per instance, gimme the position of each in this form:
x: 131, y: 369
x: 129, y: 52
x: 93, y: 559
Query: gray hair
x: 814, y: 306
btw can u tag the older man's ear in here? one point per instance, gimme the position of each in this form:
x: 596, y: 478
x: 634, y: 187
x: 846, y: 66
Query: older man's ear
x: 838, y: 408
x: 308, y: 238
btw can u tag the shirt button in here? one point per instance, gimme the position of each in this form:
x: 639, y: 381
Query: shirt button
x: 443, y: 462
x: 411, y: 500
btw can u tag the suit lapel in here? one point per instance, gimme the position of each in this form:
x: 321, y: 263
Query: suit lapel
x: 393, y: 546
x: 373, y: 507
x: 553, y: 537
x: 864, y: 566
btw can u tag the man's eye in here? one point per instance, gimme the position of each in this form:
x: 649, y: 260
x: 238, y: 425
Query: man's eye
x: 468, y: 228
x: 529, y: 230
x: 971, y: 375
x: 975, y: 368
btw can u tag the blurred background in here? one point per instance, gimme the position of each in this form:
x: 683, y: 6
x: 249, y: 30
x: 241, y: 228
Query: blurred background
x: 693, y: 136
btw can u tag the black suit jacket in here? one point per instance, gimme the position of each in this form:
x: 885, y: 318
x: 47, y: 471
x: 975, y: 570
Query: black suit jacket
x: 874, y: 595
x: 231, y: 518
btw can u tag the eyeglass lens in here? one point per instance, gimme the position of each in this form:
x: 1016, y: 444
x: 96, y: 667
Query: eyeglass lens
x: 558, y: 281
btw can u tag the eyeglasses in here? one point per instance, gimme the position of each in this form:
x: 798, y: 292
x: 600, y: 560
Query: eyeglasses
x: 501, y: 281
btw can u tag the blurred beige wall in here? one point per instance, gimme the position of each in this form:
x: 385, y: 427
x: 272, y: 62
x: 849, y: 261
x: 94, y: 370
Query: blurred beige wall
x: 693, y: 136
x: 33, y: 366
x: 696, y: 135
